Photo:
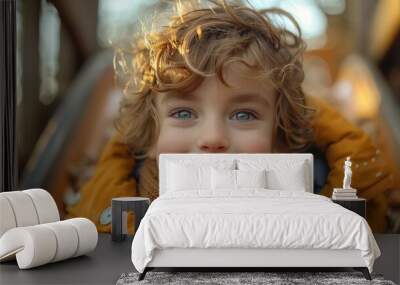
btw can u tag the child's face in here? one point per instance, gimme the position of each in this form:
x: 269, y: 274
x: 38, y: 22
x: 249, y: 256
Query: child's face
x: 217, y: 119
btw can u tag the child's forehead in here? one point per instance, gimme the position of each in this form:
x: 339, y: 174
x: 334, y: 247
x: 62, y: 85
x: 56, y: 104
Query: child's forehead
x: 239, y: 91
x: 239, y: 83
x: 239, y: 76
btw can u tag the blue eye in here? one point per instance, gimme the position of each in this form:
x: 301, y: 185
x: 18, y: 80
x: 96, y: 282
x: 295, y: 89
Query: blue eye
x: 244, y: 116
x: 182, y: 115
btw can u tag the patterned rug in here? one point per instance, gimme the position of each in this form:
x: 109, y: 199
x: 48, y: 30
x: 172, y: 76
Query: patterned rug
x: 270, y: 278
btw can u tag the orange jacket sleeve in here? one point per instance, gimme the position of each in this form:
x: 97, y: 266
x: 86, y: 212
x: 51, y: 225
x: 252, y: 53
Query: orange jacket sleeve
x: 112, y: 178
x: 337, y: 138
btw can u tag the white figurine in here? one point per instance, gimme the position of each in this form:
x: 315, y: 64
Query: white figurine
x: 347, y: 174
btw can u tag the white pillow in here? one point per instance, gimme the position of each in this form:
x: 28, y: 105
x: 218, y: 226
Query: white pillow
x: 292, y: 179
x: 181, y: 177
x: 228, y: 179
x: 193, y: 174
x: 281, y: 174
x: 223, y: 179
x: 251, y: 178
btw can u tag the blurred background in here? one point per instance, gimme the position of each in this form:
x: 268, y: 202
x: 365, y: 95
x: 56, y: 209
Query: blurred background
x: 67, y: 97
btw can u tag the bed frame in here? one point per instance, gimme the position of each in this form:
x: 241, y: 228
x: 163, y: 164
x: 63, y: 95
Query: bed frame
x: 248, y: 259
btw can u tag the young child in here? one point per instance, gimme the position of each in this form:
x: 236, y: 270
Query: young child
x: 224, y: 79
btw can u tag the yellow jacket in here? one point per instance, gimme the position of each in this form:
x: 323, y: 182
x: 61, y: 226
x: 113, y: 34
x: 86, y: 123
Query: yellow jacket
x: 335, y: 137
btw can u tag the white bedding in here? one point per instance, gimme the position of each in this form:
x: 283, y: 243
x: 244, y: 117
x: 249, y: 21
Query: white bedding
x: 251, y: 218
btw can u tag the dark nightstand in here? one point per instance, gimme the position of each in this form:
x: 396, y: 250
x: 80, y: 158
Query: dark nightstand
x: 120, y: 206
x: 358, y: 205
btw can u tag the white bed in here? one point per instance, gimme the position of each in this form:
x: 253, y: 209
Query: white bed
x: 250, y: 226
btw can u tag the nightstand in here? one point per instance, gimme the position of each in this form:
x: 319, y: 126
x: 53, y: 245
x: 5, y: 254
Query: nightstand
x: 120, y: 206
x: 358, y: 205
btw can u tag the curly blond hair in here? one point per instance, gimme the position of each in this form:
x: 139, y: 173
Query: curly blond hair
x: 200, y: 41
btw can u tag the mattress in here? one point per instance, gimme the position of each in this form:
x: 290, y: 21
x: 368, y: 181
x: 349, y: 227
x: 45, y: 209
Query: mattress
x: 251, y: 219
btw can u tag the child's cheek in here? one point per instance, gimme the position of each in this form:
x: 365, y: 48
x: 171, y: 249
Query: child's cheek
x: 173, y: 142
x: 253, y: 144
x: 263, y: 147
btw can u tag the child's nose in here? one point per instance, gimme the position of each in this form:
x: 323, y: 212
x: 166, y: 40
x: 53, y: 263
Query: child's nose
x: 213, y: 139
x: 209, y: 147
